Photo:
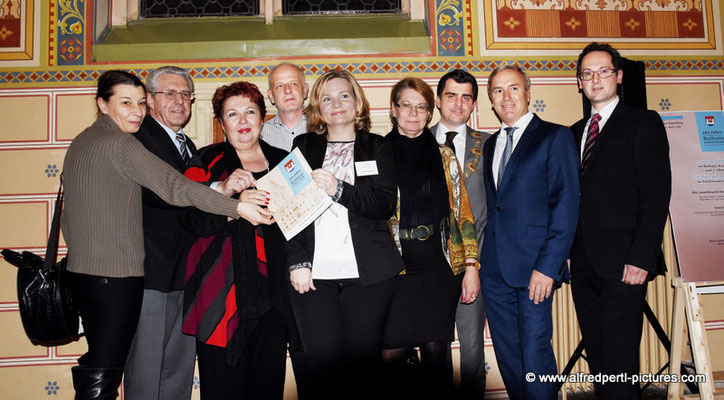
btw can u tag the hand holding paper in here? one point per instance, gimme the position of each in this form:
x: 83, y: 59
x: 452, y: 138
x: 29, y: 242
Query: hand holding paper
x: 294, y: 198
x: 254, y: 214
x: 325, y: 180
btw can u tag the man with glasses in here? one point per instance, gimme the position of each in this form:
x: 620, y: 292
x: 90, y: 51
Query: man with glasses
x: 625, y: 179
x: 161, y: 361
x: 457, y: 94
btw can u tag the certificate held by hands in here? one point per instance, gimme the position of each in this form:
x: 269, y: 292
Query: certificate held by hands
x: 295, y: 200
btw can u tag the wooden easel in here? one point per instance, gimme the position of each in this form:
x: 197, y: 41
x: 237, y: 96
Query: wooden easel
x: 686, y: 302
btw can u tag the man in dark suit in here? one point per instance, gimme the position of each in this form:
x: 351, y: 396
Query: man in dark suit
x: 531, y: 182
x: 457, y: 95
x: 161, y: 361
x: 625, y: 180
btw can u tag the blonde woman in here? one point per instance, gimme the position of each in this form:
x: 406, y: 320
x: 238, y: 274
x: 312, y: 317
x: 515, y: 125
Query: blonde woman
x: 342, y: 266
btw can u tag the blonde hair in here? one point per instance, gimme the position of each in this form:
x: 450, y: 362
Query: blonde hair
x: 316, y: 123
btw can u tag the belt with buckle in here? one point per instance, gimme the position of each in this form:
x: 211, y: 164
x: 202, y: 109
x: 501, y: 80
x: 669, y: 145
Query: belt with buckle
x: 422, y: 232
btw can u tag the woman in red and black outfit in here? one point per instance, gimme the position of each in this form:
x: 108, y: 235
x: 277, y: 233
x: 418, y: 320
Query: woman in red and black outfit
x: 235, y: 301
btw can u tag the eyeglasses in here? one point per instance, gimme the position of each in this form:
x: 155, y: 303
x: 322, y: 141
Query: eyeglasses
x: 407, y: 107
x: 171, y: 95
x: 603, y: 73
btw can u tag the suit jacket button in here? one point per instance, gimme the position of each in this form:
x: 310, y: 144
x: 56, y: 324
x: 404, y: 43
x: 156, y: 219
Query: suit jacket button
x: 493, y: 234
x: 582, y: 194
x: 497, y: 208
x: 353, y: 225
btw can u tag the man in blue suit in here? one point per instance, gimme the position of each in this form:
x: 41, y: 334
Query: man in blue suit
x: 531, y: 183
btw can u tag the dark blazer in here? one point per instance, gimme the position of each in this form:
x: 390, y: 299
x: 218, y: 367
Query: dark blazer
x: 532, y: 214
x: 473, y: 174
x: 625, y: 192
x: 166, y: 241
x: 370, y: 202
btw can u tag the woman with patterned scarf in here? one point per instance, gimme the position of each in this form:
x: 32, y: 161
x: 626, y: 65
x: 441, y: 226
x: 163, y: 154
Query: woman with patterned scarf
x: 434, y: 230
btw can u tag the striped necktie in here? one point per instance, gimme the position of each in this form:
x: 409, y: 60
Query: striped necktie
x: 181, y: 139
x: 593, y: 132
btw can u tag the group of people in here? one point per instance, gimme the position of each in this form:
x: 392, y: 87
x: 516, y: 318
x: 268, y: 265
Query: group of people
x: 430, y: 228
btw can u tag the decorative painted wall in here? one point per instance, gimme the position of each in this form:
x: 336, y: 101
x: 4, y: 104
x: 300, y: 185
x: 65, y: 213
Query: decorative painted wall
x: 47, y: 88
x: 660, y: 26
x: 19, y: 32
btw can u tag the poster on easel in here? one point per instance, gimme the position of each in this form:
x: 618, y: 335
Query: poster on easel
x: 696, y: 142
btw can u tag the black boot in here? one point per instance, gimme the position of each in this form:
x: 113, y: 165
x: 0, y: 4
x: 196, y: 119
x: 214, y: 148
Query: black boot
x: 96, y: 383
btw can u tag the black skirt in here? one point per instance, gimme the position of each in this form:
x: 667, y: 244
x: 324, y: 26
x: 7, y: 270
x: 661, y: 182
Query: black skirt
x: 426, y: 297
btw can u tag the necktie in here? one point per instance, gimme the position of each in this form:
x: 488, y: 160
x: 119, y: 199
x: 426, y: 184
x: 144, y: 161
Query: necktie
x: 181, y: 139
x: 590, y: 140
x: 449, y: 136
x: 506, y: 152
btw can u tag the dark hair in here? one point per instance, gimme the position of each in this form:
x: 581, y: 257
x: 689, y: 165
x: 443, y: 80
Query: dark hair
x: 595, y: 46
x: 417, y: 85
x: 109, y: 79
x: 460, y: 76
x: 504, y: 67
x: 316, y: 123
x: 244, y: 89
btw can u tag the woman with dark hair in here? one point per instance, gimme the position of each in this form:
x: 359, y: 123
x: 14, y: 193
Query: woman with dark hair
x: 433, y: 227
x: 236, y: 297
x: 104, y: 170
x: 342, y: 265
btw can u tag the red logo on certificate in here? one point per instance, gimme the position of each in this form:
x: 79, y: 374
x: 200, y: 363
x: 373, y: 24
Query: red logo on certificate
x: 709, y: 120
x: 289, y: 166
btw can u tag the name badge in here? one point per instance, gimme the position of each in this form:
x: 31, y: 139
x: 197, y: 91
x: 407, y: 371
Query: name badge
x: 366, y: 168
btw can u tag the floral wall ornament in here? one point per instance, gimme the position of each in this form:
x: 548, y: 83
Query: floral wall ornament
x: 450, y: 40
x: 449, y: 13
x: 71, y: 22
x: 70, y: 49
x: 52, y: 387
x: 52, y: 171
x: 69, y: 10
x: 4, y: 32
x: 453, y: 23
x: 574, y: 23
x: 689, y: 24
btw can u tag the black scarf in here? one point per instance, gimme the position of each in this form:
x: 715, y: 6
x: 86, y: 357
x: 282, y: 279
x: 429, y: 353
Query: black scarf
x: 421, y: 179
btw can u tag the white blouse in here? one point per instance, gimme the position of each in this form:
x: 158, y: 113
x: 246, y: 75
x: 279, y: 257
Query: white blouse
x: 333, y: 251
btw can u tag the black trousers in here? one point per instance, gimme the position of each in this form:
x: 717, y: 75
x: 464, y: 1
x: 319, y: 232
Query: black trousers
x: 109, y: 309
x: 258, y: 375
x: 341, y: 325
x: 610, y: 314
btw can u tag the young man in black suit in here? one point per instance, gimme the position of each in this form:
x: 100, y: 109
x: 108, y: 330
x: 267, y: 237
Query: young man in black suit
x: 457, y: 95
x: 625, y: 180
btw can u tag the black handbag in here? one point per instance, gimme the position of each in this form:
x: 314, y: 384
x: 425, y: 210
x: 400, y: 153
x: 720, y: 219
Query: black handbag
x: 46, y: 307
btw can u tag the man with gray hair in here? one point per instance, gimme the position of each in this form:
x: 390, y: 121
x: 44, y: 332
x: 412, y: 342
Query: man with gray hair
x: 287, y: 91
x: 161, y: 360
x: 531, y: 185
